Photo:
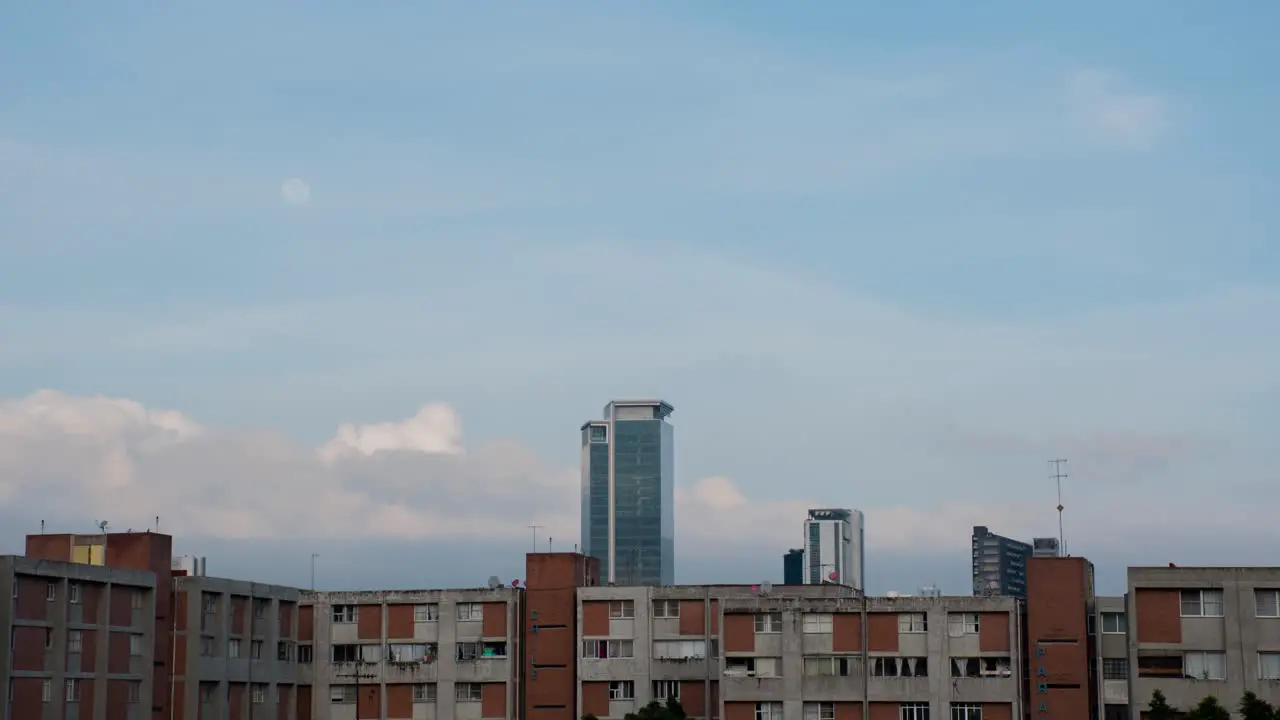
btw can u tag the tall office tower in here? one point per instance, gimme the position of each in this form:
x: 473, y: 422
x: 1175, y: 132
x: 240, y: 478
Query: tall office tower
x: 628, y: 492
x: 999, y: 564
x: 793, y: 567
x: 833, y: 548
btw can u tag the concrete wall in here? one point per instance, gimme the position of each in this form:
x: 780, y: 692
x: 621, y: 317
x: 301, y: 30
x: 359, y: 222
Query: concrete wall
x: 1240, y: 635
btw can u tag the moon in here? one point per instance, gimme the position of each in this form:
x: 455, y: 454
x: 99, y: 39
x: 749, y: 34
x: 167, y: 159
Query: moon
x: 295, y: 192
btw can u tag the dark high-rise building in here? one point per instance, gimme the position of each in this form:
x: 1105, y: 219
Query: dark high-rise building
x: 793, y: 567
x: 628, y: 493
x: 999, y: 564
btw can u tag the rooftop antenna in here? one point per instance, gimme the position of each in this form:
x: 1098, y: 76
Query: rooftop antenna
x: 535, y: 527
x: 549, y: 544
x: 157, y: 523
x: 102, y: 526
x: 41, y: 527
x: 1058, y: 476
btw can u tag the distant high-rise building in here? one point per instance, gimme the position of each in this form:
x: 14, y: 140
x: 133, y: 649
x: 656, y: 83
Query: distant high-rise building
x: 999, y: 564
x: 793, y: 567
x: 1045, y: 547
x: 628, y: 492
x: 833, y: 548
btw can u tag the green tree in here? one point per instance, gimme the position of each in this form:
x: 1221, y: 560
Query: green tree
x: 1253, y: 707
x: 1209, y: 709
x: 1159, y: 708
x: 658, y: 711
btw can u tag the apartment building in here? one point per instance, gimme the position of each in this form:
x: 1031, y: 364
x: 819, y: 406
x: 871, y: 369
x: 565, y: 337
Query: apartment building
x: 420, y: 654
x: 1197, y: 631
x: 1109, y: 624
x: 234, y: 650
x: 80, y: 640
x: 820, y: 652
x: 1060, y: 649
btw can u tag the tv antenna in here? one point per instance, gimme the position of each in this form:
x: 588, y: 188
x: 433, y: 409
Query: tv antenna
x: 1058, y: 476
x: 535, y: 527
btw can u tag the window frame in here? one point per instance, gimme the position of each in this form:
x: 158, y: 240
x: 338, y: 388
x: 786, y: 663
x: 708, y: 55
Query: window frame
x: 913, y: 711
x: 818, y: 623
x: 1119, y: 624
x: 622, y: 609
x: 1202, y: 606
x: 474, y: 612
x: 137, y: 643
x: 819, y: 710
x: 907, y: 623
x: 622, y: 690
x: 73, y: 690
x: 258, y: 694
x: 969, y: 623
x: 75, y: 641
x: 670, y: 609
x: 1258, y: 594
x: 1113, y: 663
x: 135, y: 691
x: 966, y: 711
x: 768, y: 711
x: 424, y: 692
x: 477, y: 696
x: 345, y: 614
x: 1274, y: 657
x: 74, y: 593
x: 660, y: 696
x: 1186, y: 657
x: 426, y: 612
x: 768, y: 623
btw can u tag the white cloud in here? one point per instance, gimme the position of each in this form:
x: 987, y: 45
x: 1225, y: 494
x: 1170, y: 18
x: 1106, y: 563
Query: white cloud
x: 1114, y: 113
x: 295, y: 192
x: 72, y: 460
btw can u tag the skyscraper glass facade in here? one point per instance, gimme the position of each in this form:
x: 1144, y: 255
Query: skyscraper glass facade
x: 628, y: 493
x: 999, y: 564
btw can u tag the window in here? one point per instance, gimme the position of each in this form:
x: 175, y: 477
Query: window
x: 820, y: 711
x: 606, y: 649
x: 959, y: 624
x: 48, y: 639
x: 260, y: 606
x: 972, y: 667
x: 760, y: 667
x: 913, y: 623
x: 209, y: 602
x: 622, y: 609
x: 73, y: 690
x: 233, y: 648
x: 346, y: 653
x: 426, y: 613
x: 622, y: 690
x: 1114, y: 623
x: 1201, y: 603
x: 830, y: 666
x: 75, y: 641
x: 666, y: 608
x: 599, y: 434
x: 1205, y: 665
x: 345, y: 613
x: 255, y: 650
x: 468, y: 651
x: 769, y: 623
x: 411, y: 652
x: 51, y: 592
x: 666, y: 690
x: 73, y: 593
x: 679, y: 649
x: 208, y: 691
x: 900, y: 667
x: 342, y: 693
x: 135, y: 645
x: 1269, y: 666
x: 966, y: 711
x: 284, y: 651
x: 769, y: 711
x: 467, y: 692
x: 913, y: 711
x: 305, y: 654
x: 1267, y: 602
x: 135, y: 691
x: 46, y: 691
x: 470, y: 611
x: 1160, y: 666
x: 206, y: 647
x: 135, y: 599
x: 424, y: 692
x: 817, y: 622
x: 258, y: 693
x: 1115, y: 669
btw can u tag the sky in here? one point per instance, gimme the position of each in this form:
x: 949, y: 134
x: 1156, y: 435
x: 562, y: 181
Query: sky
x: 346, y: 278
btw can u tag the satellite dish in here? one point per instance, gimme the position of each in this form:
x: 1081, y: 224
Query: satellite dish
x: 515, y: 583
x: 765, y: 587
x: 494, y: 582
x: 832, y: 577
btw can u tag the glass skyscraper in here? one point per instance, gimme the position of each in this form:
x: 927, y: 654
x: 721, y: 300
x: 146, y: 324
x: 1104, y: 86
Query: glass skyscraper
x: 628, y: 492
x: 999, y: 564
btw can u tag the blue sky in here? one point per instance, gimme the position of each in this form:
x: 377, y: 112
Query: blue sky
x: 894, y: 258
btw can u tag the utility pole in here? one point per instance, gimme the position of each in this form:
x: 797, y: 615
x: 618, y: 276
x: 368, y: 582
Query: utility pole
x: 313, y: 570
x: 1058, y: 476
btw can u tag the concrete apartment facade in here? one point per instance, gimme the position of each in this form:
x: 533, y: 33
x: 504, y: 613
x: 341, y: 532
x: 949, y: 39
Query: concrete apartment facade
x: 817, y: 651
x: 1197, y: 631
x: 234, y: 650
x: 80, y: 640
x: 413, y: 654
x: 1109, y: 624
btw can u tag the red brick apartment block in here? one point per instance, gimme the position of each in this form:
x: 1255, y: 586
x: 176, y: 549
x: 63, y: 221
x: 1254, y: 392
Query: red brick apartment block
x: 550, y: 632
x: 1059, y: 594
